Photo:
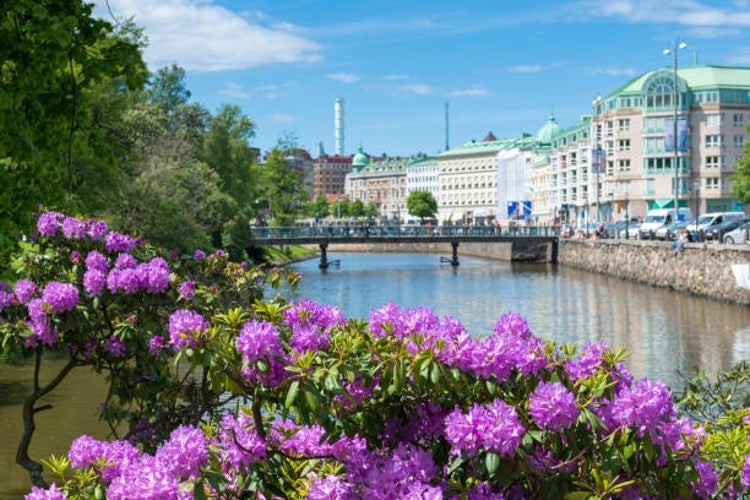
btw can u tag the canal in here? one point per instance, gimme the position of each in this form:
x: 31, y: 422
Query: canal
x: 666, y: 332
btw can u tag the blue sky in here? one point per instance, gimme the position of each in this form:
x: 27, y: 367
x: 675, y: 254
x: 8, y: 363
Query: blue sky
x: 501, y: 66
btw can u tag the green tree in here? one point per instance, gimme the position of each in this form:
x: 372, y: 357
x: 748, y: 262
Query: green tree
x: 283, y: 189
x: 421, y: 204
x: 319, y: 207
x: 227, y: 151
x: 741, y: 178
x: 357, y: 208
x: 52, y: 55
x: 371, y: 210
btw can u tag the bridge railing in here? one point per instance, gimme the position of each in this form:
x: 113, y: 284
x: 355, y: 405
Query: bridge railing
x: 343, y: 232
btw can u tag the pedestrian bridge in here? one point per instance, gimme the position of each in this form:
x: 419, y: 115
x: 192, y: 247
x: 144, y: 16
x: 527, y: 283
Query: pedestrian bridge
x: 525, y: 241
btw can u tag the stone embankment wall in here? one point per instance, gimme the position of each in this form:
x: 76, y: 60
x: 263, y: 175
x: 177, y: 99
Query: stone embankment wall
x: 703, y: 269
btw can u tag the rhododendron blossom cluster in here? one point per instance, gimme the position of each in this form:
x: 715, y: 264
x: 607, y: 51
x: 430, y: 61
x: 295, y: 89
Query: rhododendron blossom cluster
x: 228, y: 395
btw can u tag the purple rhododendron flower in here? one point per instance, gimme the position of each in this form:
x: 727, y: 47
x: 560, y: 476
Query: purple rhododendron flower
x: 187, y: 290
x: 60, y: 297
x: 115, y: 346
x: 37, y: 493
x: 552, y: 406
x: 116, y: 242
x: 259, y: 340
x: 493, y: 427
x: 330, y: 487
x: 97, y: 230
x: 73, y: 228
x: 125, y: 261
x: 48, y: 223
x: 94, y: 281
x: 311, y: 324
x: 199, y: 255
x: 239, y: 443
x: 708, y: 480
x: 186, y: 328
x: 84, y: 451
x: 154, y: 275
x: 97, y: 261
x: 185, y: 452
x: 25, y: 290
x: 644, y: 407
x: 156, y: 344
x: 587, y: 362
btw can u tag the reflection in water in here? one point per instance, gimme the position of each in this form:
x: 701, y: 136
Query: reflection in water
x: 665, y: 331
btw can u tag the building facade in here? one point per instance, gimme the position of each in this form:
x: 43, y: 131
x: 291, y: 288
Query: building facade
x: 640, y: 169
x: 381, y: 181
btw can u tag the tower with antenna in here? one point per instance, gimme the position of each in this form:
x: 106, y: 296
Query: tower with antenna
x: 338, y: 125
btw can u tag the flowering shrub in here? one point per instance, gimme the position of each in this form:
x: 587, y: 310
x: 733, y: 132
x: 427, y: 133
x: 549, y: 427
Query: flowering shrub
x: 228, y: 395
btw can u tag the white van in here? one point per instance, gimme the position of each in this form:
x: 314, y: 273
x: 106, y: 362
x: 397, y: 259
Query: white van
x: 660, y: 217
x: 709, y: 220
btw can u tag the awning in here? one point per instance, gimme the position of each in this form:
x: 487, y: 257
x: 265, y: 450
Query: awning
x: 664, y: 203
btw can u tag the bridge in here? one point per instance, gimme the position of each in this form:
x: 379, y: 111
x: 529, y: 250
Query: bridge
x: 522, y: 238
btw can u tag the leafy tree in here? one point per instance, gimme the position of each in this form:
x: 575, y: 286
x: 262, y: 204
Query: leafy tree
x: 52, y: 55
x: 741, y: 178
x: 341, y: 208
x: 283, y: 188
x: 421, y: 204
x: 227, y: 151
x: 319, y: 207
x: 357, y: 208
x: 371, y: 210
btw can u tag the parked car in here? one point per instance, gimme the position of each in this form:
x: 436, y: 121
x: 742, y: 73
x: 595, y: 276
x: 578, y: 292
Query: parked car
x: 669, y: 233
x: 718, y: 231
x: 738, y: 235
x: 633, y: 229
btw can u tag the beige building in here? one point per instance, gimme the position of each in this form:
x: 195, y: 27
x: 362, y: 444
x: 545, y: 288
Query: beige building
x: 381, y: 181
x: 640, y: 170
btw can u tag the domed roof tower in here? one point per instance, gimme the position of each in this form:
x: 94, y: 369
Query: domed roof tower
x: 360, y: 160
x: 548, y: 132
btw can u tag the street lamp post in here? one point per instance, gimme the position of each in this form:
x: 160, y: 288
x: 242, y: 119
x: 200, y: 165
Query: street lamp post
x: 597, y: 157
x: 677, y: 45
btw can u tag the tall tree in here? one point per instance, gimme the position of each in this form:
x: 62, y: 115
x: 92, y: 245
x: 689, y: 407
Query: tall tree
x: 52, y: 54
x: 227, y: 151
x: 283, y: 187
x: 741, y: 178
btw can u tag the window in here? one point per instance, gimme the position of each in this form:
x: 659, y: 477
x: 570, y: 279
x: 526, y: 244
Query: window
x: 623, y: 145
x: 738, y: 120
x: 713, y: 120
x: 738, y: 141
x: 714, y: 161
x: 623, y: 124
x: 714, y: 141
x: 623, y: 165
x: 713, y: 183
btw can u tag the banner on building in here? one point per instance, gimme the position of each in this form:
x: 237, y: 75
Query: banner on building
x: 682, y: 134
x: 598, y: 160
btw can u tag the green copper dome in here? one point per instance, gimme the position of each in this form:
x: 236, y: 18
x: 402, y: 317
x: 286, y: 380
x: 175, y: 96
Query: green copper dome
x: 549, y: 131
x: 360, y: 160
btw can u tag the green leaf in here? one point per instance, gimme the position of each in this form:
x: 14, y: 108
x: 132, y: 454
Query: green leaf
x: 491, y: 462
x: 291, y: 394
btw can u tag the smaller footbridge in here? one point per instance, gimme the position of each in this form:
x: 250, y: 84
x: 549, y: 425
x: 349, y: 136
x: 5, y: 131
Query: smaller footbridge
x: 528, y: 243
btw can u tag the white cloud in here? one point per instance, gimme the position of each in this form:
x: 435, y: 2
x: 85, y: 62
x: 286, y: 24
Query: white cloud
x: 343, y: 77
x: 473, y: 91
x: 414, y: 89
x: 611, y: 71
x: 525, y: 68
x: 282, y: 118
x: 685, y: 12
x: 394, y: 78
x: 234, y: 90
x: 199, y: 36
